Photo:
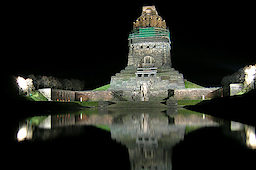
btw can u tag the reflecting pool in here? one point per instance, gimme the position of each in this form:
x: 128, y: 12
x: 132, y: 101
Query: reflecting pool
x: 145, y: 138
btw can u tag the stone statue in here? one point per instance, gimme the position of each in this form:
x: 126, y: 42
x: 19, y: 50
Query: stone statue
x: 144, y: 92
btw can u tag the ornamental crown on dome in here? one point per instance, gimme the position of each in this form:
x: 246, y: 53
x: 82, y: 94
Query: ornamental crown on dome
x: 149, y: 18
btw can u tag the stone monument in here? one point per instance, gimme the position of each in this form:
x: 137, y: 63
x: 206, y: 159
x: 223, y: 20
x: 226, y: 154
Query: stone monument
x: 149, y: 74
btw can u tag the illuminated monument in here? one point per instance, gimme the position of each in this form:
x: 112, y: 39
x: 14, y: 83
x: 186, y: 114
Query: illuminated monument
x: 149, y: 74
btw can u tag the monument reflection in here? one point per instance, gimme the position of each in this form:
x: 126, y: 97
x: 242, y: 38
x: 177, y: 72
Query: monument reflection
x: 149, y: 135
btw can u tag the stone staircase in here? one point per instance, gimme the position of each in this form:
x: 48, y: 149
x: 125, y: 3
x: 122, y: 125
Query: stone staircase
x: 164, y: 80
x: 138, y: 104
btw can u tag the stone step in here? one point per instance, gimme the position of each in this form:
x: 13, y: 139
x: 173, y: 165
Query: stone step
x: 124, y: 75
x: 127, y: 71
x: 138, y: 104
x: 166, y: 70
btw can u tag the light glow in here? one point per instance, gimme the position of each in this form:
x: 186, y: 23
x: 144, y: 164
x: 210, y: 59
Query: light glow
x: 22, y: 134
x: 22, y: 83
x: 250, y: 72
x: 250, y: 137
x: 252, y: 140
x: 25, y: 84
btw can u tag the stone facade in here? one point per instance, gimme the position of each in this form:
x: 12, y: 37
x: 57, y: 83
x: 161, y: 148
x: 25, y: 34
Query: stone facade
x: 94, y: 96
x: 242, y: 80
x: 197, y: 93
x: 68, y: 95
x: 63, y: 95
x: 152, y: 52
x: 149, y: 61
x: 235, y: 88
x: 158, y: 86
x: 58, y: 95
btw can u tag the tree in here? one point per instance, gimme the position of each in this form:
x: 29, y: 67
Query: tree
x: 45, y: 81
x: 77, y: 84
x: 67, y: 84
x: 55, y: 83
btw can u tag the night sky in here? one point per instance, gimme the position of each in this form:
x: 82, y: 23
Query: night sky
x: 88, y: 41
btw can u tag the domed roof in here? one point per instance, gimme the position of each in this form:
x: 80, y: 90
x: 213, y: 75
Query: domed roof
x: 149, y: 18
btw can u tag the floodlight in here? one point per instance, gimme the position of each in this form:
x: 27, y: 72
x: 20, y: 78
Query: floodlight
x: 22, y: 83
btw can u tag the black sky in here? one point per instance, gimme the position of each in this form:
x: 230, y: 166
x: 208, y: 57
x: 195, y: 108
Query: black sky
x: 88, y: 41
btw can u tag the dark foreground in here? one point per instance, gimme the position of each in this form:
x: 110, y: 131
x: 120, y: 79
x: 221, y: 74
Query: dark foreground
x: 84, y: 147
x: 91, y: 148
x: 239, y: 108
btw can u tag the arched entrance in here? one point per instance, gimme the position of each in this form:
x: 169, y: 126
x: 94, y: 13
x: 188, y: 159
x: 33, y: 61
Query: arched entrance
x: 147, y: 61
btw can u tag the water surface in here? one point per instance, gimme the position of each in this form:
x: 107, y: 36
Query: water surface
x: 136, y: 138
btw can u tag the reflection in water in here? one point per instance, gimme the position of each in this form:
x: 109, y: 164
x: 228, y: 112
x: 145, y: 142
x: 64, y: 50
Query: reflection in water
x: 149, y: 135
x: 149, y: 138
x: 249, y: 133
x: 23, y: 133
x: 250, y: 136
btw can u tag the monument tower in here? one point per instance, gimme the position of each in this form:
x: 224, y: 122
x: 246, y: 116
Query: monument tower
x: 149, y: 41
x: 149, y: 74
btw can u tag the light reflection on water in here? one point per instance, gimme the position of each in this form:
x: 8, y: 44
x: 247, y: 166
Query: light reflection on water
x: 149, y: 135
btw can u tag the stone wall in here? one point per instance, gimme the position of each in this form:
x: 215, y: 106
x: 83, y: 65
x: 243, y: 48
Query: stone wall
x: 179, y: 94
x: 63, y: 95
x: 136, y: 95
x: 235, y: 88
x: 94, y: 95
x: 68, y: 95
x: 197, y: 93
x: 159, y: 51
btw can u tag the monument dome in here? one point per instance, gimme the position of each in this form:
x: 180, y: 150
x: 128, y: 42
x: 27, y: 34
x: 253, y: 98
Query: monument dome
x: 149, y: 18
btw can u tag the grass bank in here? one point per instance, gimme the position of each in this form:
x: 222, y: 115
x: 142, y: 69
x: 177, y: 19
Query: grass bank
x: 87, y: 103
x: 189, y: 84
x: 188, y: 102
x: 36, y: 96
x: 102, y: 88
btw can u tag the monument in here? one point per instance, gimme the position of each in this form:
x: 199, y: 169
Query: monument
x: 149, y: 74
